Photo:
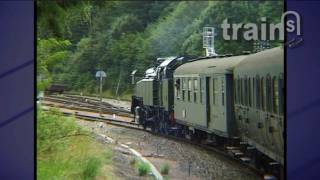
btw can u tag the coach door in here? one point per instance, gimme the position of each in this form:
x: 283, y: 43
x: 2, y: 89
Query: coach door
x: 219, y: 104
x: 208, y: 113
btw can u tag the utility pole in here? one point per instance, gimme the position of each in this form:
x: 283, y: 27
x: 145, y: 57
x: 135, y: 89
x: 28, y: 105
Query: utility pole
x: 100, y: 95
x: 117, y: 90
x: 100, y: 74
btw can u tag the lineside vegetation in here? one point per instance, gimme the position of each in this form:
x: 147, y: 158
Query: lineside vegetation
x: 67, y: 151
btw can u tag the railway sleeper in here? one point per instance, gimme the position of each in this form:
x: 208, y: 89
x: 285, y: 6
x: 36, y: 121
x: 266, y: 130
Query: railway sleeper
x: 245, y: 159
x: 233, y: 148
x: 236, y: 153
x: 250, y: 155
x: 269, y: 177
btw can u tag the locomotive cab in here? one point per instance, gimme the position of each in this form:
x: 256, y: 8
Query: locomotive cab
x: 154, y: 92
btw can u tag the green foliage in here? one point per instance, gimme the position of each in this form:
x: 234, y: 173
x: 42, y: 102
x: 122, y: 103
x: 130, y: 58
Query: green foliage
x: 91, y: 168
x: 165, y: 169
x: 143, y: 168
x: 51, y: 23
x: 64, y: 150
x: 120, y: 36
x: 52, y: 128
x: 51, y: 55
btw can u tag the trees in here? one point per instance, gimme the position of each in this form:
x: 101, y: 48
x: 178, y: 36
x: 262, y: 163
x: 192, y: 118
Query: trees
x: 51, y: 54
x: 120, y: 36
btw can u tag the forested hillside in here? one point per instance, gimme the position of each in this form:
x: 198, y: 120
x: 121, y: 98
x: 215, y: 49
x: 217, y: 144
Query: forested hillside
x: 76, y: 38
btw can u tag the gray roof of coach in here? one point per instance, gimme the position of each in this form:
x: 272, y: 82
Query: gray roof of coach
x: 209, y: 66
x: 270, y: 60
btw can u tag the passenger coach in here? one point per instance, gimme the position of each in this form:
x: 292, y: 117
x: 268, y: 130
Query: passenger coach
x: 203, y: 100
x: 259, y: 101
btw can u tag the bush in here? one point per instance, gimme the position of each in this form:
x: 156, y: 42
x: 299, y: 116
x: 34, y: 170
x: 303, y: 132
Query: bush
x: 91, y: 169
x: 165, y: 169
x: 64, y: 149
x: 143, y: 168
x: 52, y: 130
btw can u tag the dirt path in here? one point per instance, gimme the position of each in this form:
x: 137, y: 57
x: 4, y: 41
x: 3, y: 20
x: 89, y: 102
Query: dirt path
x: 182, y: 158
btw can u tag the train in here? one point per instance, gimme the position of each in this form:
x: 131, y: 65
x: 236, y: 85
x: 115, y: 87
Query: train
x: 55, y: 89
x: 234, y: 101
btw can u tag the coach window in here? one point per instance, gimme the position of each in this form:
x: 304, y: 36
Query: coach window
x: 213, y: 91
x: 195, y: 87
x: 238, y: 90
x: 177, y: 85
x: 246, y: 91
x: 235, y: 91
x: 189, y: 89
x: 281, y: 94
x: 257, y: 90
x: 275, y: 95
x: 201, y: 89
x: 222, y: 91
x: 183, y: 88
x: 253, y: 92
x: 263, y: 93
x: 268, y: 93
x: 249, y: 92
x: 242, y: 91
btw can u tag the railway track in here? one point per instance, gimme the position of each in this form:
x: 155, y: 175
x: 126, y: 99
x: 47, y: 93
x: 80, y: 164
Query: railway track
x: 112, y: 121
x: 229, y: 152
x: 88, y: 104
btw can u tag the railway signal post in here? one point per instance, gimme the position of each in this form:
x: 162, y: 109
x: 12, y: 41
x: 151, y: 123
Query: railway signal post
x: 100, y: 74
x: 208, y: 41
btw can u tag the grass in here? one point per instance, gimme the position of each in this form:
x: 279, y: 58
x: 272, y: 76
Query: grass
x: 165, y: 169
x: 142, y: 167
x: 66, y: 151
x: 91, y: 168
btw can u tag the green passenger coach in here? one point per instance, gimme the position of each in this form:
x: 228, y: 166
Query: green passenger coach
x: 203, y: 95
x: 259, y: 102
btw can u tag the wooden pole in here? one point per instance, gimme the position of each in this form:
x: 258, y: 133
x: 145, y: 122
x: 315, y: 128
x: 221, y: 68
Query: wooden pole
x: 100, y: 95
